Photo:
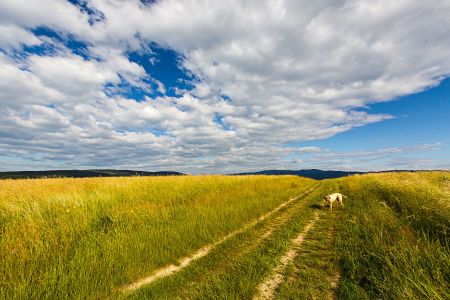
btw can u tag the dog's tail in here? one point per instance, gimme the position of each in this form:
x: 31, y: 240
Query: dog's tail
x: 344, y: 196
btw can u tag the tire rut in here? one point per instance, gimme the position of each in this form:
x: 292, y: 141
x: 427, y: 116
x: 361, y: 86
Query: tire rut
x: 267, y: 289
x: 186, y: 261
x: 336, y: 278
x: 272, y: 225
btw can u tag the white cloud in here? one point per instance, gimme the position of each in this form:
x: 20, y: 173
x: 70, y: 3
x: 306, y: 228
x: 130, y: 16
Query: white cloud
x: 294, y: 71
x: 19, y: 87
x: 404, y: 157
x: 308, y: 149
x: 12, y: 36
x: 57, y: 14
x: 71, y: 75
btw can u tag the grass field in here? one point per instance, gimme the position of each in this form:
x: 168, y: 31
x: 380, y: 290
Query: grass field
x: 394, y: 238
x: 215, y: 237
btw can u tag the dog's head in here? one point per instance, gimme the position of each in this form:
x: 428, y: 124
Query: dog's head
x: 326, y: 198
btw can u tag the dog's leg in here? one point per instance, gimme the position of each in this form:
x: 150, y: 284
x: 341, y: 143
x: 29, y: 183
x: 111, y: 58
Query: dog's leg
x: 331, y: 206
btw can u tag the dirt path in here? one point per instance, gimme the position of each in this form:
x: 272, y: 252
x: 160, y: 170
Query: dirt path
x: 186, y: 261
x: 267, y: 289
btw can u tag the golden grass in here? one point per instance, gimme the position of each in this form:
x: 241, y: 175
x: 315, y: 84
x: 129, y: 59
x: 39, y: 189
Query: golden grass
x: 83, y: 238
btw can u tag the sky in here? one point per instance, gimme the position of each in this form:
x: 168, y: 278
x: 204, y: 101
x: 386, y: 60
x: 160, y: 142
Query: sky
x: 205, y: 86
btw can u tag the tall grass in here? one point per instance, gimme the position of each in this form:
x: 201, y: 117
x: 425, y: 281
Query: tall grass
x: 234, y: 269
x: 83, y: 238
x: 394, y: 236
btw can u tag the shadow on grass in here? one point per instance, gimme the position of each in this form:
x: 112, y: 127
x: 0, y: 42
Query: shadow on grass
x: 316, y: 206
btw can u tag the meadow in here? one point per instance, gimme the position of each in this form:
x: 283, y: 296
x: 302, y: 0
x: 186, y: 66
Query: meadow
x: 84, y: 238
x: 97, y: 238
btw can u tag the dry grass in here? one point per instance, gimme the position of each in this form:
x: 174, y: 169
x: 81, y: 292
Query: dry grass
x: 83, y: 238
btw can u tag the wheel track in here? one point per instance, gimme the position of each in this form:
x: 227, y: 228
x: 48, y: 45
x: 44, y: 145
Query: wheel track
x: 318, y: 245
x: 266, y: 290
x: 205, y: 250
x: 269, y: 228
x: 336, y: 278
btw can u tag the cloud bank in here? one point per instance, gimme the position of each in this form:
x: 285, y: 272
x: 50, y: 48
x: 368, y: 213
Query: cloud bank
x: 263, y: 74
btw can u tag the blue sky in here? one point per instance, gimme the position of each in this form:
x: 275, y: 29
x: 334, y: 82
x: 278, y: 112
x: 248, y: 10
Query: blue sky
x: 418, y: 119
x: 220, y: 87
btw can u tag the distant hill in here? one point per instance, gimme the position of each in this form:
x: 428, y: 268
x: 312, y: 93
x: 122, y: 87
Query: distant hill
x: 311, y: 173
x: 82, y: 173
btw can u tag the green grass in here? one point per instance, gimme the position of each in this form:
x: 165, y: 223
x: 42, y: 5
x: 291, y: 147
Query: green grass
x: 234, y: 270
x: 393, y: 239
x: 84, y: 238
x: 315, y: 272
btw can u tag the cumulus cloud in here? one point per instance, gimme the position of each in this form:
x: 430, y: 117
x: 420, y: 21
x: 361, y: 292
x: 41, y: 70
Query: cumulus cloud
x: 14, y: 37
x: 57, y: 14
x: 267, y: 73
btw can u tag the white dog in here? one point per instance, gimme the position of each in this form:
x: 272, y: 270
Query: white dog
x: 333, y: 197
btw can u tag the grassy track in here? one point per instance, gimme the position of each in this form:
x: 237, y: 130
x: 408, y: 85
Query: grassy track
x: 315, y: 272
x: 87, y: 238
x: 205, y: 250
x: 235, y: 269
